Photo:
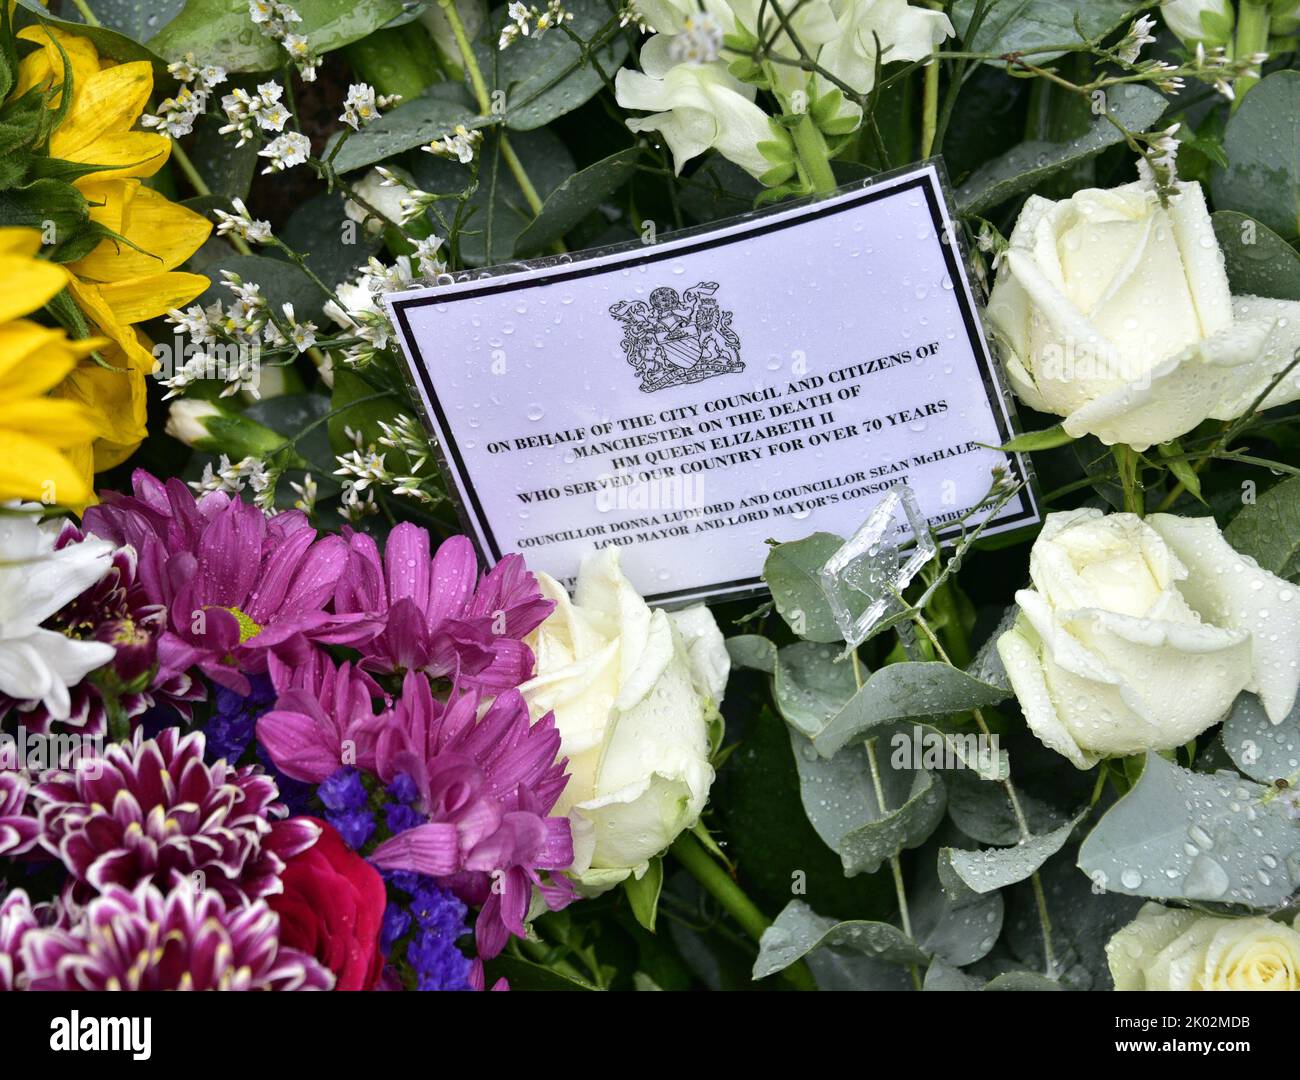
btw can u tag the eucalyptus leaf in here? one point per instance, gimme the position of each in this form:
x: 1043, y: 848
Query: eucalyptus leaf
x: 541, y: 79
x: 221, y: 32
x: 1264, y: 751
x: 995, y: 868
x: 903, y: 691
x: 843, y: 805
x: 1191, y: 836
x: 1034, y: 25
x: 109, y: 43
x: 577, y: 197
x: 799, y: 930
x: 137, y: 19
x: 809, y: 686
x: 943, y: 976
x: 752, y: 651
x: 950, y: 920
x: 1024, y: 166
x: 1259, y: 262
x: 1268, y: 530
x: 1262, y: 143
x: 1022, y: 980
x: 792, y: 571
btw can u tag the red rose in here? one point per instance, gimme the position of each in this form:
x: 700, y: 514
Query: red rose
x: 332, y: 908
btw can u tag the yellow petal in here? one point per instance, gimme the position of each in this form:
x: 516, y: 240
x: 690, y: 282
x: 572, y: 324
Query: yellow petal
x: 169, y: 233
x: 56, y: 422
x: 32, y: 360
x: 45, y: 66
x: 19, y: 241
x: 126, y: 350
x: 29, y: 469
x: 132, y: 153
x: 108, y: 101
x: 117, y: 402
x: 137, y: 299
x: 26, y: 284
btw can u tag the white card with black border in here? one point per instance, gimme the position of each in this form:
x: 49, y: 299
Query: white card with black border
x: 688, y: 400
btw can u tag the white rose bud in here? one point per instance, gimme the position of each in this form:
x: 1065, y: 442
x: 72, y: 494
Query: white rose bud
x: 1209, y: 21
x: 1139, y: 634
x: 634, y: 696
x: 1114, y: 312
x: 385, y: 198
x: 1172, y: 949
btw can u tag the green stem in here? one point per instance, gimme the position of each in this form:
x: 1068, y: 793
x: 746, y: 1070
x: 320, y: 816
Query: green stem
x: 200, y: 187
x: 1252, y: 37
x: 718, y: 884
x: 1127, y: 461
x: 484, y: 99
x: 86, y: 13
x: 813, y: 156
x: 895, y: 863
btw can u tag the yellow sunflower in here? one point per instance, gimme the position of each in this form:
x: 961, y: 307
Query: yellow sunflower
x: 40, y: 437
x: 116, y: 284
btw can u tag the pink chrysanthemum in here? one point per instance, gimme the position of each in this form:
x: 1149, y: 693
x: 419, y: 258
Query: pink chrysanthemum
x: 487, y: 785
x: 236, y: 585
x: 153, y: 811
x: 185, y: 939
x: 438, y: 616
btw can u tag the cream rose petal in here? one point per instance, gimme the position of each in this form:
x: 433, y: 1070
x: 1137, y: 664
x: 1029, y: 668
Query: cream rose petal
x: 1018, y: 648
x: 1279, y: 351
x: 1178, y: 393
x: 1134, y: 949
x: 1231, y: 590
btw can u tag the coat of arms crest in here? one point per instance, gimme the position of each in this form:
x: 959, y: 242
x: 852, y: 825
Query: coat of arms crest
x: 675, y: 339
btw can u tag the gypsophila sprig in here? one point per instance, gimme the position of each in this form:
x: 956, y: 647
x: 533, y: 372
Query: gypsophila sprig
x: 275, y: 20
x: 1139, y: 34
x: 526, y: 21
x: 242, y: 224
x: 460, y: 145
x: 284, y: 152
x: 362, y: 105
x: 700, y: 41
x: 175, y: 116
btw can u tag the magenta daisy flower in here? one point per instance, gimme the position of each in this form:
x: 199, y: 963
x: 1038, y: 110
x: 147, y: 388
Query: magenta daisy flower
x: 486, y: 786
x: 145, y: 939
x: 236, y: 585
x: 153, y: 811
x: 438, y: 617
x: 324, y: 718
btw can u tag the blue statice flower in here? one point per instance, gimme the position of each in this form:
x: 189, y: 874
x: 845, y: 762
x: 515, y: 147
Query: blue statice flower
x: 434, y: 919
x: 347, y: 806
x: 230, y: 728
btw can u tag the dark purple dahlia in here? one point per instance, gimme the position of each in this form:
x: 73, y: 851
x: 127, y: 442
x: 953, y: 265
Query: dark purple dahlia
x: 19, y: 831
x: 153, y: 811
x: 17, y: 919
x: 117, y: 611
x: 184, y: 939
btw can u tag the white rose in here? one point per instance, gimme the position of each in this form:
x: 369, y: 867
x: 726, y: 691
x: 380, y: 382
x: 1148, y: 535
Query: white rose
x: 1183, y: 17
x: 1114, y: 312
x: 1173, y: 949
x: 1138, y: 634
x: 695, y: 107
x: 634, y: 692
